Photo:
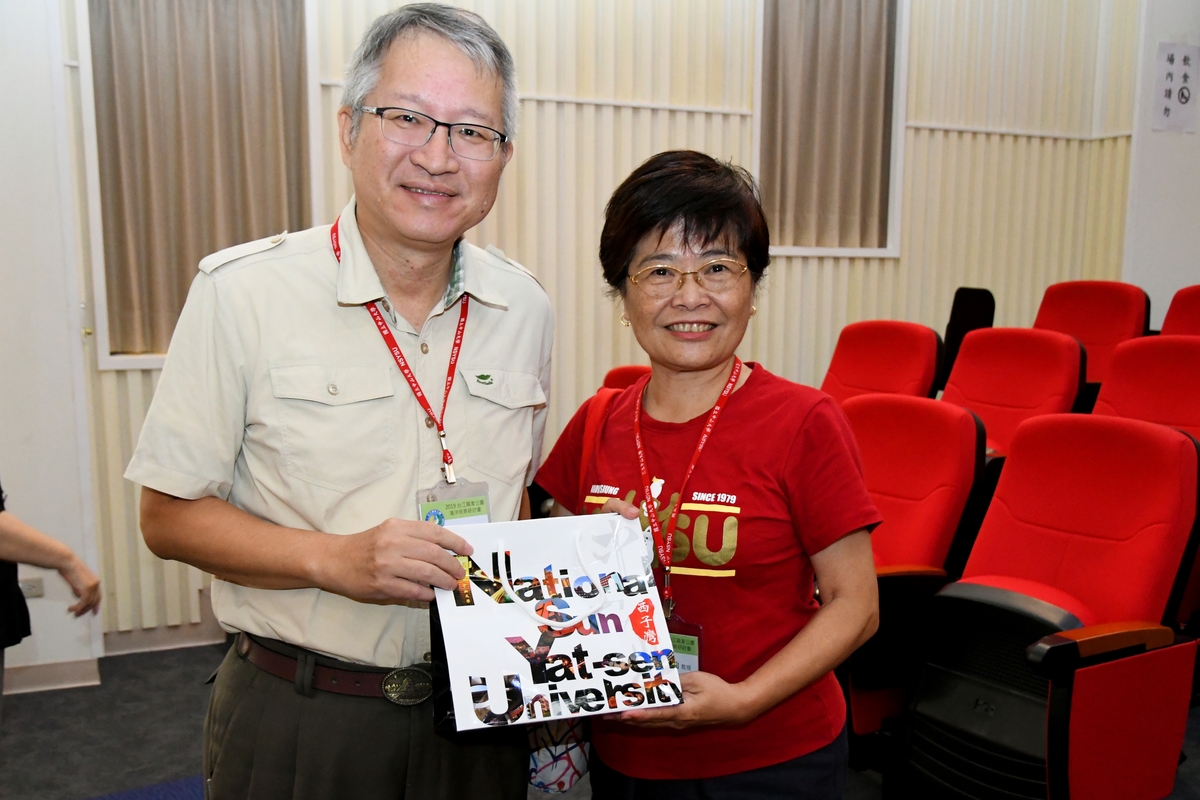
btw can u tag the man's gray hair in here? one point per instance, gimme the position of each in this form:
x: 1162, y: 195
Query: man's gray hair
x: 465, y: 29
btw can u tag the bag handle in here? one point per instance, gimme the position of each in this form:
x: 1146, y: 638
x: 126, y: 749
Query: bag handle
x: 588, y: 568
x: 593, y: 424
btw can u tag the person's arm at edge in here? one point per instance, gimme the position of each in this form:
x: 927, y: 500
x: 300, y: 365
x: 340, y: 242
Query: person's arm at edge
x: 395, y: 560
x: 25, y: 544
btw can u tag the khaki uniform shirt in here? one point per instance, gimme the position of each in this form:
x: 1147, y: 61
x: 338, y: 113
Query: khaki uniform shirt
x: 279, y: 395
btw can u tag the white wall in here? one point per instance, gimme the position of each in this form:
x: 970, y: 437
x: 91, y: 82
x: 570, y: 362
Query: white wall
x: 44, y: 445
x: 1162, y: 252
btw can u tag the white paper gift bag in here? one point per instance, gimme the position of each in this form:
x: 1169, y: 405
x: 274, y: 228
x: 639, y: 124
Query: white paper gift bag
x: 557, y: 618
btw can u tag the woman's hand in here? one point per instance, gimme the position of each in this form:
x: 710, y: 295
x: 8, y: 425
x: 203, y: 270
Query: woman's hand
x: 626, y: 510
x: 25, y: 544
x: 84, y: 584
x: 707, y: 700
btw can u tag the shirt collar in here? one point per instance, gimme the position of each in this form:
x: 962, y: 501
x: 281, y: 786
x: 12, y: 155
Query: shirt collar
x: 358, y: 283
x: 474, y: 278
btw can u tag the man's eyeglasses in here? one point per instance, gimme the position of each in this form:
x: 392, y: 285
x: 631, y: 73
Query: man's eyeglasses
x: 661, y: 281
x: 414, y: 129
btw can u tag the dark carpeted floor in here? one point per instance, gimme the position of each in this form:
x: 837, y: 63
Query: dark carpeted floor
x: 142, y: 726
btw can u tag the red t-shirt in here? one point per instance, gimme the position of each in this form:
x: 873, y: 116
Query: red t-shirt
x: 779, y: 479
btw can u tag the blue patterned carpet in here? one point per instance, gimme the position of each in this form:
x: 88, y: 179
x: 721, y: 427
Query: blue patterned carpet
x: 186, y: 789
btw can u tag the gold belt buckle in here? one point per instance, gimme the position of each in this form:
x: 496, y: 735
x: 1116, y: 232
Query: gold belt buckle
x: 408, y: 686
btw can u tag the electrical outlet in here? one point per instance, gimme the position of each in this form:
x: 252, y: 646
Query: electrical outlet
x: 32, y: 587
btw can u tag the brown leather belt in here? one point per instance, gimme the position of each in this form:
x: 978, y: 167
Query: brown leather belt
x: 405, y: 686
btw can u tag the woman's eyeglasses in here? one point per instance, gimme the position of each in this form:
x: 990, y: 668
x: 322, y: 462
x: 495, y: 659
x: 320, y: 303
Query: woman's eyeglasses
x: 661, y: 280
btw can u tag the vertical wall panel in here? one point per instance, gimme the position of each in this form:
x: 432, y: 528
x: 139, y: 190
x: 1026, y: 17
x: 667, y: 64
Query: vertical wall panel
x: 140, y: 590
x: 1019, y: 112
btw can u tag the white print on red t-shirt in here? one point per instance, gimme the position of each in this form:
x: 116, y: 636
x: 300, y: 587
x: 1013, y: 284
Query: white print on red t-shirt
x: 692, y: 529
x: 714, y: 497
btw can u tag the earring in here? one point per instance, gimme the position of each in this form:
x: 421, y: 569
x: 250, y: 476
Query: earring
x: 753, y: 310
x: 625, y: 320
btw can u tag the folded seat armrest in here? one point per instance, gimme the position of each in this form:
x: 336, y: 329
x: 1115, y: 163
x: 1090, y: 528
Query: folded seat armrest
x: 907, y: 582
x: 1058, y: 655
x: 908, y: 569
x: 903, y: 584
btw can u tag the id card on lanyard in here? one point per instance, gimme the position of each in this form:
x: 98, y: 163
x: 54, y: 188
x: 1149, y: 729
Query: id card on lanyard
x: 685, y: 636
x: 453, y: 500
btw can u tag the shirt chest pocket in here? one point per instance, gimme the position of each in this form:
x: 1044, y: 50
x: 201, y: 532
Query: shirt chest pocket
x: 337, y: 424
x: 500, y: 411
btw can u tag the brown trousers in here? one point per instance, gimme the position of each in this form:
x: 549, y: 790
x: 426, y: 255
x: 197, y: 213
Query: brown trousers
x: 265, y: 741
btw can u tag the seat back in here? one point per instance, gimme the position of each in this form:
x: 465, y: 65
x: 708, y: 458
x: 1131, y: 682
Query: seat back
x: 920, y: 459
x: 1007, y: 375
x: 624, y: 376
x: 1156, y: 379
x: 1183, y: 315
x: 1100, y: 314
x: 972, y: 309
x: 883, y: 355
x: 1098, y: 510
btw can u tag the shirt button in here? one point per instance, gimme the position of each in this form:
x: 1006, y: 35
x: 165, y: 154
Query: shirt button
x: 428, y: 656
x: 429, y: 423
x: 333, y: 388
x: 424, y: 347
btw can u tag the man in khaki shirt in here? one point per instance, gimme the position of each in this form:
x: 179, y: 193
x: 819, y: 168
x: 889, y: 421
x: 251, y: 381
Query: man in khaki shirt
x: 284, y: 449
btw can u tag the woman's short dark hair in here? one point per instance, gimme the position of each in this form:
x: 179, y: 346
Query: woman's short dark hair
x: 713, y: 201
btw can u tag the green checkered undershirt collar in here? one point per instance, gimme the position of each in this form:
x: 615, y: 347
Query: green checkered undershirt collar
x: 457, y: 277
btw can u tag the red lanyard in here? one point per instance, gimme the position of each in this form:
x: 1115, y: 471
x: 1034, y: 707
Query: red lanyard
x: 666, y: 544
x: 406, y: 371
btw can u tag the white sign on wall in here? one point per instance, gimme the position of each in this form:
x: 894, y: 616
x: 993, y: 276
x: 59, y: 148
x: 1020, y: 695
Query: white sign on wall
x: 1175, y: 87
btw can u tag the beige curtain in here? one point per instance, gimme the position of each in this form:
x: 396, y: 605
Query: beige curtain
x: 200, y: 117
x: 826, y: 123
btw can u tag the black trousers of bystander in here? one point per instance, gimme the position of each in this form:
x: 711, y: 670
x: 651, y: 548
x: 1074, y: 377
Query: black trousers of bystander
x: 819, y: 775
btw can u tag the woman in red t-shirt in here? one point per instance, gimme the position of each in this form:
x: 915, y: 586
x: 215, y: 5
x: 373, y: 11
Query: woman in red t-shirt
x: 757, y: 490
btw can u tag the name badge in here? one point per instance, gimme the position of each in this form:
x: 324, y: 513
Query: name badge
x: 460, y: 503
x: 685, y: 641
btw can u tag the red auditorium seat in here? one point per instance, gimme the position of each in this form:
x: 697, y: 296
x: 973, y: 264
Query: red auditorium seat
x: 1100, y: 314
x: 1183, y: 315
x: 1007, y: 375
x: 624, y: 376
x: 1045, y: 670
x: 1156, y: 379
x: 921, y: 460
x: 883, y: 355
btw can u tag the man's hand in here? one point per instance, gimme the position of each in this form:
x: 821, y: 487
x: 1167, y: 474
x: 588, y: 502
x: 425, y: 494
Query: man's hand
x: 84, y: 584
x: 707, y: 700
x: 395, y: 560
